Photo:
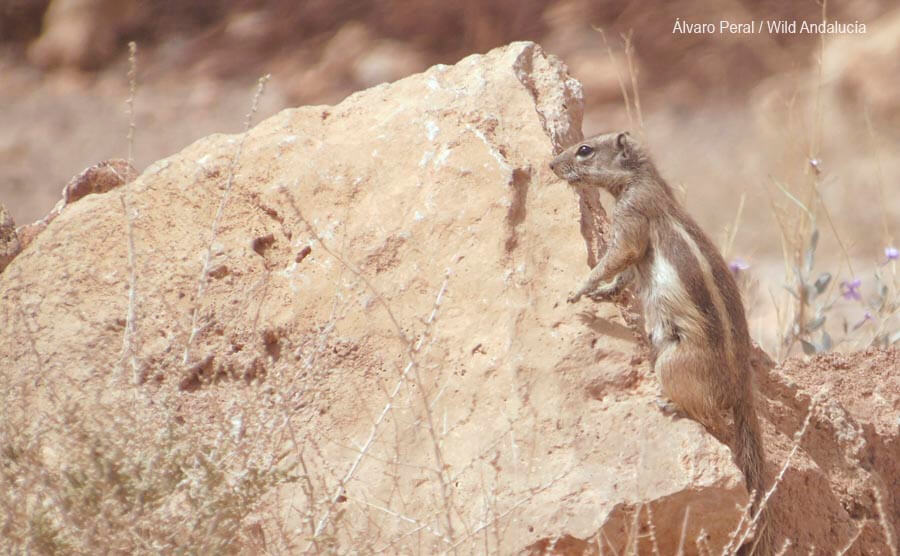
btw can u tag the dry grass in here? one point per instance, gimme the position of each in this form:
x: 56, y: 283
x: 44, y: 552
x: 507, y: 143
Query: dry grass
x: 95, y: 479
x: 812, y: 296
x: 131, y: 473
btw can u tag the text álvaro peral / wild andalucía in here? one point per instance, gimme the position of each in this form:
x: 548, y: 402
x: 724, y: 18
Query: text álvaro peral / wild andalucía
x: 767, y: 26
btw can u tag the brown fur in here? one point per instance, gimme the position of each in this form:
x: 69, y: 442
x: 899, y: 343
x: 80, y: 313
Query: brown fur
x: 700, y: 346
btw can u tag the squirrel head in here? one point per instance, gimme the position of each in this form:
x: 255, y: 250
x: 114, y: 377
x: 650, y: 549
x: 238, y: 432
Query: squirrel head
x: 608, y: 160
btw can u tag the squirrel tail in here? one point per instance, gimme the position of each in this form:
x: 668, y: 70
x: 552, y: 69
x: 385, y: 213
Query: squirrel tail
x: 751, y: 460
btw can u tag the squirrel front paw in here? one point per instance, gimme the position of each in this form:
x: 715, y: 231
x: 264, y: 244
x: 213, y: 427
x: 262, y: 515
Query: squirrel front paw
x: 593, y: 292
x: 601, y: 294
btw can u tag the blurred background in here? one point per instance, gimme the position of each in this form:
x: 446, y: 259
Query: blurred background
x: 745, y: 127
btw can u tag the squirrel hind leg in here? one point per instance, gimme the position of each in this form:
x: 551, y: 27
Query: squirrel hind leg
x: 684, y: 376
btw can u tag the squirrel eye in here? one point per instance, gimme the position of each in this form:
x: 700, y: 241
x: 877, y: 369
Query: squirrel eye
x: 584, y: 150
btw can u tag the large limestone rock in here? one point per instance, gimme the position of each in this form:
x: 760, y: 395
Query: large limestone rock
x: 376, y: 289
x: 328, y: 251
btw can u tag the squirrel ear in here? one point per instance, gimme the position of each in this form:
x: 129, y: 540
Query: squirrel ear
x: 623, y: 143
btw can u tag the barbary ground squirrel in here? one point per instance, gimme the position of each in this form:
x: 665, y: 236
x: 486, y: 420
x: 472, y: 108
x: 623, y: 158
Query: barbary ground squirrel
x: 699, y: 344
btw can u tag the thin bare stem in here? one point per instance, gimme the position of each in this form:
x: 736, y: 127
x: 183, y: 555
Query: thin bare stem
x: 129, y: 335
x: 876, y: 150
x: 633, y: 73
x: 683, y: 536
x: 401, y: 517
x: 731, y: 234
x: 509, y: 510
x: 798, y: 438
x: 207, y: 262
x: 132, y: 92
x: 831, y: 225
x: 784, y: 548
x: 886, y: 527
x: 852, y: 540
x: 652, y: 529
x: 622, y: 87
x: 412, y: 349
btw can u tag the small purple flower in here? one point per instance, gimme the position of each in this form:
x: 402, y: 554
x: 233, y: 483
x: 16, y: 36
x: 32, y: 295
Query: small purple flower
x: 738, y: 265
x: 866, y: 318
x: 891, y: 253
x: 850, y: 290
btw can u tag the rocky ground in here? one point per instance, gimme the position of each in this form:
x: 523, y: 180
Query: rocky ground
x: 346, y: 329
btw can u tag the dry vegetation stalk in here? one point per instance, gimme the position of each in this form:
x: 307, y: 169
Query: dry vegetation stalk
x: 203, y: 280
x: 129, y: 335
x: 748, y: 527
x: 412, y: 350
x: 886, y: 526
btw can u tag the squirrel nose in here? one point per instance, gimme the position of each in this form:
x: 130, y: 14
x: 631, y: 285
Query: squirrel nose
x: 553, y: 165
